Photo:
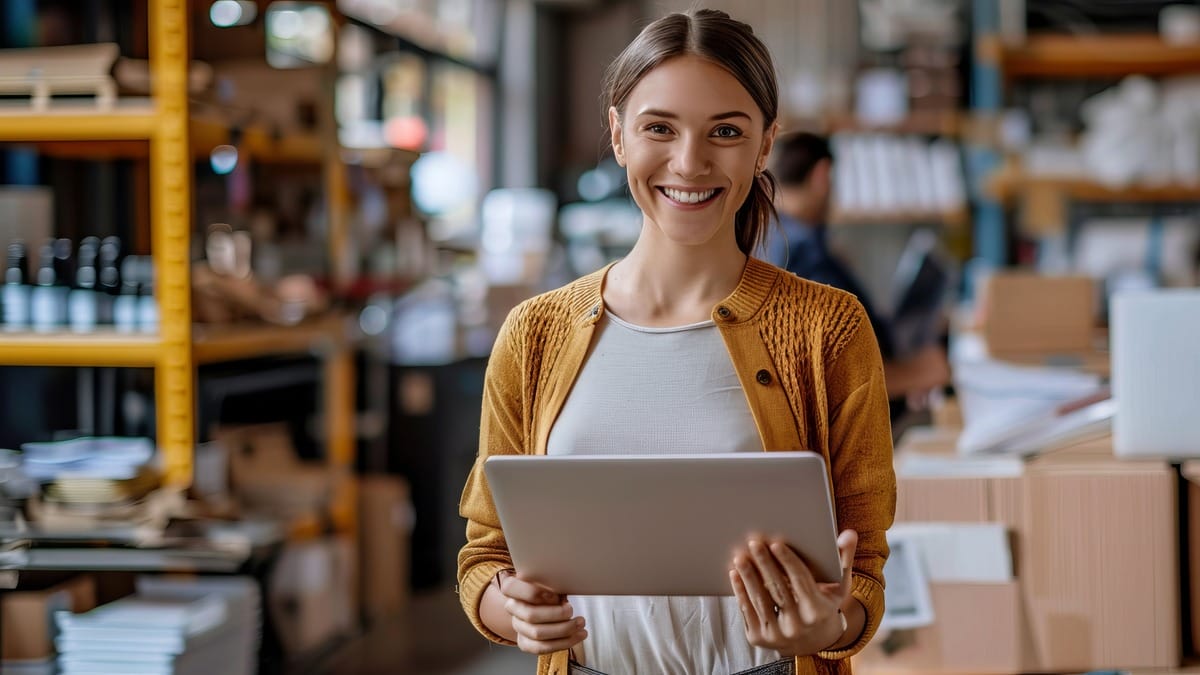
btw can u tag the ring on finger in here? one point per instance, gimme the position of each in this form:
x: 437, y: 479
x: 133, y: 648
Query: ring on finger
x: 777, y: 594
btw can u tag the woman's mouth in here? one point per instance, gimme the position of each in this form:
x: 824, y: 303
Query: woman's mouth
x: 690, y: 198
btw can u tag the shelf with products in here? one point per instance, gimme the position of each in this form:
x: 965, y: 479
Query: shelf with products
x: 1048, y: 200
x: 169, y: 130
x: 1092, y: 56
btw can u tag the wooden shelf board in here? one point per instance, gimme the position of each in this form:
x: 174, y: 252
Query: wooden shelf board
x: 1068, y: 56
x: 1005, y: 186
x: 124, y: 134
x: 101, y: 348
x: 73, y: 123
x: 214, y: 344
x: 947, y: 218
x: 257, y: 142
x: 947, y: 123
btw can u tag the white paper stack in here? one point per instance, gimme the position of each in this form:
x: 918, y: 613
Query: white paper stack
x: 101, y: 458
x: 170, y: 627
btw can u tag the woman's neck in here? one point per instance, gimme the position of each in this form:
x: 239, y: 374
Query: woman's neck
x: 662, y: 284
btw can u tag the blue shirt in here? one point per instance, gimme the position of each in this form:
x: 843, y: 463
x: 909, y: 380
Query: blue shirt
x: 803, y: 250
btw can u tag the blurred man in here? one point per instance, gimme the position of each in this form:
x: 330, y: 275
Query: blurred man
x: 803, y: 166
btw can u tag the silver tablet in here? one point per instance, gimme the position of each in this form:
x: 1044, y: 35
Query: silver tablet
x: 658, y: 524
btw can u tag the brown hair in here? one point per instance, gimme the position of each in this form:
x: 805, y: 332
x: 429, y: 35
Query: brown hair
x: 730, y: 44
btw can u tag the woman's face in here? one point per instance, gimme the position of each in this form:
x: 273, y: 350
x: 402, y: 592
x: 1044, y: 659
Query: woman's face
x: 691, y: 140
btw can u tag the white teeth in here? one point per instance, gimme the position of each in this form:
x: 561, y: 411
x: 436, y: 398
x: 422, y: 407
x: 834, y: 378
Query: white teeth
x: 689, y: 197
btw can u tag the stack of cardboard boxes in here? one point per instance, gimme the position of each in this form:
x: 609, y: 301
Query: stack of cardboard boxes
x: 1095, y: 540
x: 1096, y: 569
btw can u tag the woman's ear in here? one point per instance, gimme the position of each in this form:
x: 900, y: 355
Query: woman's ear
x: 768, y: 142
x: 614, y: 126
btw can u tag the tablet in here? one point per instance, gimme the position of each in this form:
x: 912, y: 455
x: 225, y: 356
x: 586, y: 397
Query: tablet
x: 658, y: 524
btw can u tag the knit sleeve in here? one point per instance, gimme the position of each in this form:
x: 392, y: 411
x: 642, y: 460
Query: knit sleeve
x: 501, y: 432
x: 860, y: 452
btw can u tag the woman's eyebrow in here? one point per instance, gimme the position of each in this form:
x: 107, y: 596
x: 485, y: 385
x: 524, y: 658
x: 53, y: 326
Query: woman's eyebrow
x: 654, y: 112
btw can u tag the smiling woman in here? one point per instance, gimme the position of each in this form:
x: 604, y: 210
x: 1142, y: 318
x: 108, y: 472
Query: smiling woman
x: 689, y: 345
x: 692, y: 139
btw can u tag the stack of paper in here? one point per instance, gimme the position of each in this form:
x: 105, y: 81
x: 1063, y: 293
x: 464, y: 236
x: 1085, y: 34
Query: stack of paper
x: 170, y: 627
x: 1024, y: 410
x: 106, y: 458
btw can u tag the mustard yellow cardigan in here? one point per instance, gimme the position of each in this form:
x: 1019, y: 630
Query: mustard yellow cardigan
x: 809, y: 364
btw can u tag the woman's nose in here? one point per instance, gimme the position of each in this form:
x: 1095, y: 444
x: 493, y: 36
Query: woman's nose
x: 690, y: 159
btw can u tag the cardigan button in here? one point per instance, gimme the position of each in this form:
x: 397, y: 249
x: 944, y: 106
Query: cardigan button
x: 724, y: 312
x: 763, y: 377
x: 596, y: 310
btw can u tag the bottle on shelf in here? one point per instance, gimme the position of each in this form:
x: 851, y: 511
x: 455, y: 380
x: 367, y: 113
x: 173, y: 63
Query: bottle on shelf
x: 108, y: 279
x: 83, y: 303
x: 125, y: 305
x: 147, y: 316
x: 48, y: 300
x: 64, y: 267
x: 15, y: 295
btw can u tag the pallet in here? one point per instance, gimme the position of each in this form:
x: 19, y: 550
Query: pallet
x: 45, y: 72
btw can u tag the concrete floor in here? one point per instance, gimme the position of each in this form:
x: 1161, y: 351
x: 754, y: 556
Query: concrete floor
x: 435, y: 639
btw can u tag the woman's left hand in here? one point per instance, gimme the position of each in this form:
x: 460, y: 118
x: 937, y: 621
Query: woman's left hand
x: 783, y: 606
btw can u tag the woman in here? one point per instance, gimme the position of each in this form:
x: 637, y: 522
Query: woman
x: 691, y: 343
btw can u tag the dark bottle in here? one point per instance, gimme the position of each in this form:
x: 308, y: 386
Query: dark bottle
x: 83, y: 303
x: 147, y: 313
x: 48, y: 300
x: 125, y: 305
x: 108, y: 277
x: 64, y: 266
x: 15, y: 293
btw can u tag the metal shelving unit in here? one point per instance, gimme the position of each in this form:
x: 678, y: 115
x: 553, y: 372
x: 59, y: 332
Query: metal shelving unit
x: 165, y: 130
x: 1063, y: 57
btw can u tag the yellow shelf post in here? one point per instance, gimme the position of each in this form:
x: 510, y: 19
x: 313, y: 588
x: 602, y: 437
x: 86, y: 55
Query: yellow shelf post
x: 171, y: 210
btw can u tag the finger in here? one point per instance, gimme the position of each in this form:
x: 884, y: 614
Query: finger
x: 539, y: 613
x: 847, y: 547
x: 773, y: 577
x: 548, y: 632
x: 527, y: 591
x: 547, y: 647
x: 749, y: 614
x: 809, y: 598
x: 759, y: 598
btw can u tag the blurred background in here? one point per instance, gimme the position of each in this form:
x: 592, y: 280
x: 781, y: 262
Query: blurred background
x: 257, y: 252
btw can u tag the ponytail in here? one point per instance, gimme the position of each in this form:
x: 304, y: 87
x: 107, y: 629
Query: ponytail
x: 756, y: 214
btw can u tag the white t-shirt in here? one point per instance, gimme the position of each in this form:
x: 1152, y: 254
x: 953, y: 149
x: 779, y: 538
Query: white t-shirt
x: 659, y: 390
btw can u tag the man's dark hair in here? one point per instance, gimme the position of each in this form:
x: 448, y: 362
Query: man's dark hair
x: 796, y: 154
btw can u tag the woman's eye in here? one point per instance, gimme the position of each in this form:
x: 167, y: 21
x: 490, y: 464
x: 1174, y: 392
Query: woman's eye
x: 658, y: 129
x: 727, y: 132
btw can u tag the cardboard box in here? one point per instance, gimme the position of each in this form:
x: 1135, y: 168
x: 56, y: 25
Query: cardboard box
x: 28, y: 617
x: 995, y: 640
x: 1095, y: 553
x: 1100, y: 559
x: 311, y: 594
x: 268, y: 478
x: 1025, y: 313
x: 385, y: 528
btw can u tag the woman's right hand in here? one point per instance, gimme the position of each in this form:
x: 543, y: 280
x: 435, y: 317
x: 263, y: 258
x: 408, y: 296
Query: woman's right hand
x: 544, y: 620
